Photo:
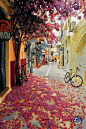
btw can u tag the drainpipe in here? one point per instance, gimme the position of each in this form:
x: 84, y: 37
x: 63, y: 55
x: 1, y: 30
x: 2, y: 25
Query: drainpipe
x: 28, y: 55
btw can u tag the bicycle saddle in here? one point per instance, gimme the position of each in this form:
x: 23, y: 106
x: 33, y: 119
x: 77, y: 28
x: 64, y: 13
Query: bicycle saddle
x: 71, y: 69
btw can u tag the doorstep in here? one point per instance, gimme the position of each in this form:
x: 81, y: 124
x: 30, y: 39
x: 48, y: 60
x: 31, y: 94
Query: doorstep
x: 84, y: 84
x: 4, y: 93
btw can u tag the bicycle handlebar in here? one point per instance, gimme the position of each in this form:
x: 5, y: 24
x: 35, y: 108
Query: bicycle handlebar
x: 22, y: 65
x: 77, y: 68
x: 25, y: 63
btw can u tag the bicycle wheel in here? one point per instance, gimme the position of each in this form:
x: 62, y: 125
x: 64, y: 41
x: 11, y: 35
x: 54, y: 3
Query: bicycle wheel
x: 67, y: 77
x: 76, y: 81
x: 21, y: 82
x: 25, y: 78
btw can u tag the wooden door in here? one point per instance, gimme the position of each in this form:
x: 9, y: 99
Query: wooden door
x: 2, y: 67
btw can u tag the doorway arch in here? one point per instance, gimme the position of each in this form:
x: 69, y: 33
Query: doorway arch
x: 81, y: 52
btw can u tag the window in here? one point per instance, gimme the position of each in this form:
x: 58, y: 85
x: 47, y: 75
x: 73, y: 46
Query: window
x: 66, y: 43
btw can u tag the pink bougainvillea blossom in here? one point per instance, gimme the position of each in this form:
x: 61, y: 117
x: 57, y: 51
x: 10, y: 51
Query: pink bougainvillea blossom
x: 32, y: 14
x: 50, y: 107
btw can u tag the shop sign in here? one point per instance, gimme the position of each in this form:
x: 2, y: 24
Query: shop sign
x: 5, y: 30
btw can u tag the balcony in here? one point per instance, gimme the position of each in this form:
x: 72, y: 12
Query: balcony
x: 66, y: 33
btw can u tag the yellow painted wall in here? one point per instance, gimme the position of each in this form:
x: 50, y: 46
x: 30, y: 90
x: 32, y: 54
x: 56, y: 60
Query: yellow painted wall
x: 67, y: 55
x: 61, y: 53
x: 75, y: 43
x: 22, y: 53
x: 12, y: 53
x: 7, y: 57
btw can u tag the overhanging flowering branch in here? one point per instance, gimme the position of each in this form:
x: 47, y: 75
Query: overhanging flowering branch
x: 33, y: 13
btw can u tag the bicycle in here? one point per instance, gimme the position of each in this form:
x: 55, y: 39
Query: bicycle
x: 22, y: 75
x: 75, y: 80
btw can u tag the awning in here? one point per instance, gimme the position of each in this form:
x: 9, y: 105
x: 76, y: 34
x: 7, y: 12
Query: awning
x: 45, y: 52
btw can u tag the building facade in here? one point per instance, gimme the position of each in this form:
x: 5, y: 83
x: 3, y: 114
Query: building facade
x: 74, y: 41
x: 7, y: 53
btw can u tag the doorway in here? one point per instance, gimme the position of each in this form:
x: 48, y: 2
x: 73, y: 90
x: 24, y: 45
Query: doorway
x: 82, y: 60
x: 2, y: 67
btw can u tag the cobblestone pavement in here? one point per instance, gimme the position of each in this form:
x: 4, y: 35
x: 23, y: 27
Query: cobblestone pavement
x: 56, y: 73
x: 41, y: 71
x: 55, y: 76
x: 44, y: 102
x: 50, y: 71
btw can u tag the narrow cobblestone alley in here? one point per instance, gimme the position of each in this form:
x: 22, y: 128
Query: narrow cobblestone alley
x: 56, y: 73
x: 42, y: 64
x: 43, y: 103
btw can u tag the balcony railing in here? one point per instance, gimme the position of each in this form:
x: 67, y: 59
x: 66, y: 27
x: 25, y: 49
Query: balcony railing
x: 66, y: 33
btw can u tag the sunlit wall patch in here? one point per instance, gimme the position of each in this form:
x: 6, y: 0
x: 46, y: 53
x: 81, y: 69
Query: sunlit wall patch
x: 77, y: 120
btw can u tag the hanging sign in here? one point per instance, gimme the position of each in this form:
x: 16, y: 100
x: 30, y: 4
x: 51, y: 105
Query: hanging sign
x: 5, y: 30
